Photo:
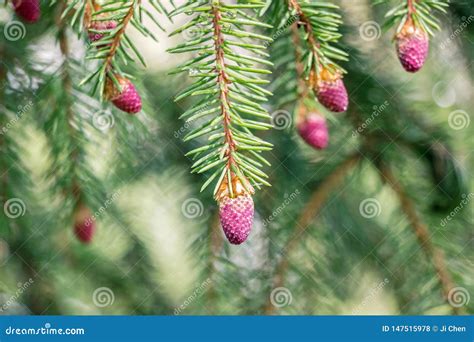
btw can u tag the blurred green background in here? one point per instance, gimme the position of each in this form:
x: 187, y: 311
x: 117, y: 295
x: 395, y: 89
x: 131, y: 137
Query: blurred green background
x: 360, y: 228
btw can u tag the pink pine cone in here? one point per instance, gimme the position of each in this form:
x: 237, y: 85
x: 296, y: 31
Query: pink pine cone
x: 128, y: 99
x: 85, y: 230
x: 100, y: 26
x: 332, y: 94
x: 236, y: 216
x: 28, y: 10
x: 412, y: 50
x: 314, y: 130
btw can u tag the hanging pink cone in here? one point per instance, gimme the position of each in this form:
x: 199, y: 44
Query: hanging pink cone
x: 84, y: 225
x: 331, y: 92
x: 236, y: 217
x: 314, y: 130
x: 412, y: 47
x: 28, y: 10
x: 100, y: 26
x: 127, y: 98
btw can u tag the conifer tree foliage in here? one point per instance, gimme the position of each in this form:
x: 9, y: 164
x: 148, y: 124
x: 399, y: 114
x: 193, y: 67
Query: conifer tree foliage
x: 103, y: 197
x: 230, y: 85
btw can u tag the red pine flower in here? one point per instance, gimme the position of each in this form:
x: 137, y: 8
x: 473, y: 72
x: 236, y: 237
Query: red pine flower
x: 126, y: 98
x: 331, y: 92
x: 28, y: 10
x: 314, y: 130
x: 236, y: 217
x: 412, y: 46
x: 100, y: 26
x: 84, y: 224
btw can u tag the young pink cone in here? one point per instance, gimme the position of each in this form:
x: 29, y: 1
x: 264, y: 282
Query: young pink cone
x: 84, y: 225
x: 314, y: 131
x: 331, y: 92
x: 28, y: 10
x: 412, y: 47
x: 236, y: 217
x: 126, y: 98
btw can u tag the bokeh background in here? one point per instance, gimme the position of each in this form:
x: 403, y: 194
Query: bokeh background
x: 379, y: 223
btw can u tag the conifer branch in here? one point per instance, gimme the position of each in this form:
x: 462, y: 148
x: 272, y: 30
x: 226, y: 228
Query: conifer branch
x: 231, y: 87
x: 308, y: 214
x: 434, y: 254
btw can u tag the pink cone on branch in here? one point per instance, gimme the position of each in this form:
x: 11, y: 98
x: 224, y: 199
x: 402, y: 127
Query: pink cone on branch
x: 412, y: 44
x: 28, y: 10
x: 314, y: 131
x: 331, y: 91
x: 236, y: 210
x: 84, y: 224
x: 126, y: 98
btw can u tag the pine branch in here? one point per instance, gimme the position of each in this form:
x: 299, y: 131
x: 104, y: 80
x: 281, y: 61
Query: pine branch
x: 231, y: 87
x: 435, y: 255
x: 421, y: 12
x: 309, y: 212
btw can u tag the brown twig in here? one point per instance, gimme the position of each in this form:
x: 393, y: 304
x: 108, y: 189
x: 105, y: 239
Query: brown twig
x: 312, y: 208
x: 435, y: 255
